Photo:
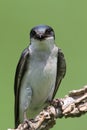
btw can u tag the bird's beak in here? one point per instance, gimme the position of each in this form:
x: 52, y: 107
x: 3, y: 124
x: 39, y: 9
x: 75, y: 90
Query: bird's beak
x: 40, y: 36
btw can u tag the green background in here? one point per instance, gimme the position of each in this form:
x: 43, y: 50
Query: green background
x: 69, y: 20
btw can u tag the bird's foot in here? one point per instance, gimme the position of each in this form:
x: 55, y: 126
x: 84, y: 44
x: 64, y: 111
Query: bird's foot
x: 28, y: 122
x: 57, y: 103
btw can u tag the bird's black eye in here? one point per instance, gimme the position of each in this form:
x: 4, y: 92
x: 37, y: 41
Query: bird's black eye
x: 48, y: 31
x: 32, y: 33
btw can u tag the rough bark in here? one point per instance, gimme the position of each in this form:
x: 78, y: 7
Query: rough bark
x: 72, y: 105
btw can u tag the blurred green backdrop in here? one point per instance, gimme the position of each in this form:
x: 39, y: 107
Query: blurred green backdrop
x: 69, y: 20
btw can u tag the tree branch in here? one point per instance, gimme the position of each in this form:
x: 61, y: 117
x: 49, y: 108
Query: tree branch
x: 72, y: 105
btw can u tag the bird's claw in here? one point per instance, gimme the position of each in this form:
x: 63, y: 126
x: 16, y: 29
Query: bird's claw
x: 26, y: 121
x: 56, y: 103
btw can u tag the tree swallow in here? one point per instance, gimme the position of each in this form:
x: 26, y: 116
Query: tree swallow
x: 39, y: 72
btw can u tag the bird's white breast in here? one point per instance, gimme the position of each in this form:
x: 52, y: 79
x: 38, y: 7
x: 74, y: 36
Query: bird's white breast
x: 40, y: 77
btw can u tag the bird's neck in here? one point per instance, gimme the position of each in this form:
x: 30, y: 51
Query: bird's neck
x: 45, y: 45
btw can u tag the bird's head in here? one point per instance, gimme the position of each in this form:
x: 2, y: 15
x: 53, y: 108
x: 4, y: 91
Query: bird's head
x: 42, y: 32
x: 42, y: 37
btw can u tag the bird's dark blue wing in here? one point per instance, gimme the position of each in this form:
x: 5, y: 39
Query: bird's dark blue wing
x: 20, y: 71
x: 61, y: 70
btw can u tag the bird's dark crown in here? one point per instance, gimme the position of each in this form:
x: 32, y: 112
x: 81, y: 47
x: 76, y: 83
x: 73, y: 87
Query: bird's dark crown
x: 41, y: 32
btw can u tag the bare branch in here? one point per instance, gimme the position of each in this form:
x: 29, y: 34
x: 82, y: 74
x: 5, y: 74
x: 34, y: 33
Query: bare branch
x: 72, y: 105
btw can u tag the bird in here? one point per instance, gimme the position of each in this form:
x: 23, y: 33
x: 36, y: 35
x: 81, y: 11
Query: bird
x: 39, y: 72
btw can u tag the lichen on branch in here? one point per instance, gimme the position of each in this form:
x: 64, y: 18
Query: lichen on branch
x: 72, y: 105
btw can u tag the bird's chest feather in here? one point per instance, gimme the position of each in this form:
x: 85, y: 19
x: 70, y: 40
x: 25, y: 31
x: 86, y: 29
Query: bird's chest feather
x: 41, y: 76
x: 40, y: 79
x: 42, y: 71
